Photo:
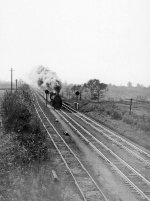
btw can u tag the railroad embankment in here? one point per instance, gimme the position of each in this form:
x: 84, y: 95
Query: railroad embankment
x: 27, y: 157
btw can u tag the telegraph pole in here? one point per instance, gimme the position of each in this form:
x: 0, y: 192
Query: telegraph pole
x: 130, y: 105
x: 11, y: 79
x: 46, y: 93
x: 16, y: 84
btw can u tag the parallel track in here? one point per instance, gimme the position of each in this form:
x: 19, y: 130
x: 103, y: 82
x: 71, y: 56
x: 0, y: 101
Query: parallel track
x: 85, y: 183
x: 134, y: 150
x: 134, y: 179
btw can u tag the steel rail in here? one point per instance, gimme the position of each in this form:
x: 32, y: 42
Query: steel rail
x: 62, y: 157
x: 131, y: 184
x: 115, y: 141
x: 59, y: 151
x: 139, y: 191
x: 122, y: 139
x: 148, y: 182
x: 102, y: 194
x: 113, y: 133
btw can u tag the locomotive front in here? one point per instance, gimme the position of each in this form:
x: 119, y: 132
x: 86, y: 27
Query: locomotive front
x: 56, y: 100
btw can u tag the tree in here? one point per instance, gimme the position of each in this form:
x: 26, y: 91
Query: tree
x: 96, y: 88
x: 91, y: 84
x: 103, y: 86
x: 79, y: 88
x: 68, y: 91
x: 40, y: 81
x: 129, y: 84
x: 139, y: 85
x: 73, y: 88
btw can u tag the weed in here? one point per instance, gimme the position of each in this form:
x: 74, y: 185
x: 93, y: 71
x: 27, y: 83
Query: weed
x: 144, y: 126
x: 20, y: 120
x: 128, y: 119
x: 117, y: 115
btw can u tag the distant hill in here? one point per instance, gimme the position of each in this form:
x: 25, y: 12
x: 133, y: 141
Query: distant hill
x: 122, y: 92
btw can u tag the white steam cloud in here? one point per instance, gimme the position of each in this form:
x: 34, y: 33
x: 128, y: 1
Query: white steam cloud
x: 44, y: 78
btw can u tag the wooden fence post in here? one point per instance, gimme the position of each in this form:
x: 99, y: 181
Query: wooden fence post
x: 130, y: 106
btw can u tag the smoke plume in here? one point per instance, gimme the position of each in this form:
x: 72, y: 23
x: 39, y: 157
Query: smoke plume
x: 45, y: 79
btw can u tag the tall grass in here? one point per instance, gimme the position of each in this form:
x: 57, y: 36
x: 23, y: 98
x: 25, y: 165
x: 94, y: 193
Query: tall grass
x: 138, y: 121
x: 111, y: 110
x: 21, y: 123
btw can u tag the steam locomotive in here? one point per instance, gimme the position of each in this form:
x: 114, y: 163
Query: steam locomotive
x: 55, y: 100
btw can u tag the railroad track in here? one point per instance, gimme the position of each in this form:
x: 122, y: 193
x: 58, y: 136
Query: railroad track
x: 136, y: 161
x: 86, y: 185
x: 137, y: 183
x: 133, y: 178
x: 131, y: 148
x: 139, y: 153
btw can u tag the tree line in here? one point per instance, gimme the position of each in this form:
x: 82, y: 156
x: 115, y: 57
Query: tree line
x: 93, y: 89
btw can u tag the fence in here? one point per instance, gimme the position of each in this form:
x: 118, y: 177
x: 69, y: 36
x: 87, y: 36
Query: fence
x: 129, y: 103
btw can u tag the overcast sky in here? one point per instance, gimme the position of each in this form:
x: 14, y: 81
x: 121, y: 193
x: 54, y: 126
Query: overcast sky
x: 78, y: 39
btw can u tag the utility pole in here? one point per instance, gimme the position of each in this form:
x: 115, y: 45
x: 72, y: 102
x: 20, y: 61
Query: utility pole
x: 130, y: 105
x: 16, y: 84
x: 11, y: 79
x: 46, y: 93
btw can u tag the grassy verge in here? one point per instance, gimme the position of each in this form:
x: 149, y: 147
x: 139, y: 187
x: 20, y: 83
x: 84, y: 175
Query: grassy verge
x: 28, y: 156
x: 21, y: 123
x: 22, y: 141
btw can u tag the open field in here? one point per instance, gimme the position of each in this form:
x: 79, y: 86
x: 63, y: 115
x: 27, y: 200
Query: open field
x: 122, y: 92
x: 141, y: 109
x: 4, y: 84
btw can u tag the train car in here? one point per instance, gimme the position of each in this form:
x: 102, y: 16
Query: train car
x: 57, y: 102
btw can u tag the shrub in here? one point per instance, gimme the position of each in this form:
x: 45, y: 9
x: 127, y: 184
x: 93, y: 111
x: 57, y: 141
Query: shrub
x: 108, y: 112
x: 129, y: 119
x: 87, y: 108
x: 20, y: 120
x: 144, y: 126
x: 17, y: 112
x: 117, y: 115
